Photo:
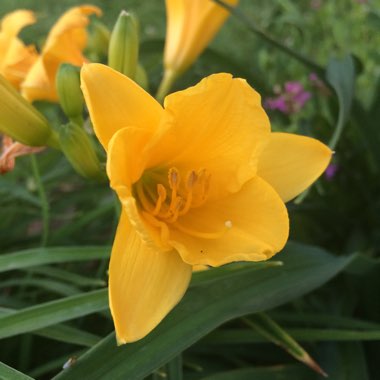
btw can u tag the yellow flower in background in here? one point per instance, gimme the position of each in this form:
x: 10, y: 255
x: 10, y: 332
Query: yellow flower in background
x: 191, y: 25
x: 64, y: 44
x: 202, y: 181
x: 16, y: 59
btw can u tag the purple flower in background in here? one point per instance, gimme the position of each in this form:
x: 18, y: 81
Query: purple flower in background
x: 331, y: 171
x: 290, y: 100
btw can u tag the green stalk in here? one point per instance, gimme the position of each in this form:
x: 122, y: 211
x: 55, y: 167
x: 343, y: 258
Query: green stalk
x: 45, y: 210
x: 236, y: 12
x: 166, y: 85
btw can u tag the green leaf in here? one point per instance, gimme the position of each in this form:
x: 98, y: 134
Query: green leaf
x: 174, y: 369
x: 206, y: 307
x: 9, y: 373
x: 345, y: 361
x: 41, y: 256
x: 242, y: 17
x: 325, y: 320
x: 55, y: 364
x: 51, y: 313
x: 340, y: 74
x: 49, y: 285
x: 268, y: 373
x: 269, y: 329
x: 245, y: 336
x: 67, y: 276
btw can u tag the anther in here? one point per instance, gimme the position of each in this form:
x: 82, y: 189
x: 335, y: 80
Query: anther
x: 191, y: 179
x: 174, y: 178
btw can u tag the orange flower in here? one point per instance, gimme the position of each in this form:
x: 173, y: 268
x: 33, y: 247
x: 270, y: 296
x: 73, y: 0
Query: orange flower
x: 64, y: 44
x: 15, y: 58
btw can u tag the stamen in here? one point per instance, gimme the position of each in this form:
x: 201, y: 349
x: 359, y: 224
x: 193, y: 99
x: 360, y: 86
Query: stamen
x: 174, y: 180
x: 142, y: 197
x: 161, y: 191
x: 175, y: 210
x: 204, y: 181
x: 200, y: 234
x: 190, y: 182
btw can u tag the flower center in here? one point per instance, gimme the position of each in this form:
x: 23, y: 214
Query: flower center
x: 164, y: 196
x: 168, y: 198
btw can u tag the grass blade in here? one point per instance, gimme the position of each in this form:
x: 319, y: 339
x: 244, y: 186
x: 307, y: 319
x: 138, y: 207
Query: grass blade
x: 9, y: 373
x: 51, y: 313
x: 42, y: 256
x: 269, y: 329
x: 206, y: 307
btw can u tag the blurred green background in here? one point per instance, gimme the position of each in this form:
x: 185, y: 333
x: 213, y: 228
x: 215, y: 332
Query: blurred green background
x: 341, y: 214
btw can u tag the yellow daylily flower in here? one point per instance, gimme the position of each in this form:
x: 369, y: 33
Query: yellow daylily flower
x: 15, y: 58
x: 190, y: 27
x: 64, y: 44
x: 202, y: 181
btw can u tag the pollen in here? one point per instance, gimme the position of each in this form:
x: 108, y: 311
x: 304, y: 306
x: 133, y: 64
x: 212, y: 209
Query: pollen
x: 228, y: 224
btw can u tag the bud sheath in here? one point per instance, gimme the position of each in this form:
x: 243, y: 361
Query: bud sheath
x: 124, y: 45
x: 78, y: 149
x: 21, y: 121
x: 69, y: 92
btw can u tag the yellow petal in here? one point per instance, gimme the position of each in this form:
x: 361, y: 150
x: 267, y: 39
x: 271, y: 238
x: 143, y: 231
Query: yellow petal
x: 144, y: 284
x: 64, y: 44
x: 124, y: 161
x: 15, y: 58
x: 291, y: 163
x: 18, y: 61
x: 37, y: 84
x: 115, y: 101
x: 218, y: 125
x: 125, y: 164
x: 191, y: 25
x: 13, y: 22
x: 250, y: 225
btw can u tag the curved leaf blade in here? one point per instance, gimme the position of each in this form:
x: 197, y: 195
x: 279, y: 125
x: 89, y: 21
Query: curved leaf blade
x: 206, y: 307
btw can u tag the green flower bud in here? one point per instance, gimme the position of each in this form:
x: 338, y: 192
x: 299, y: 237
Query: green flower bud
x: 78, y: 149
x: 124, y: 45
x: 69, y: 92
x: 98, y: 41
x: 142, y: 77
x: 21, y: 121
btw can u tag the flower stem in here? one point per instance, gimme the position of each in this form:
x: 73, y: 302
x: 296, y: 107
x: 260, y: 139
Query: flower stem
x: 43, y: 200
x: 166, y: 84
x: 268, y: 39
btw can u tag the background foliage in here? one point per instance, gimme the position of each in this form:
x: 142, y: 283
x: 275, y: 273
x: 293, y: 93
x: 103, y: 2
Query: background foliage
x: 56, y: 228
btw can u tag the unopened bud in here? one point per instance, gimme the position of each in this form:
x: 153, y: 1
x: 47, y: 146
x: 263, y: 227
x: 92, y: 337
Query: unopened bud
x: 21, y: 121
x: 142, y: 77
x: 98, y: 41
x: 124, y: 45
x: 69, y: 92
x: 78, y: 149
